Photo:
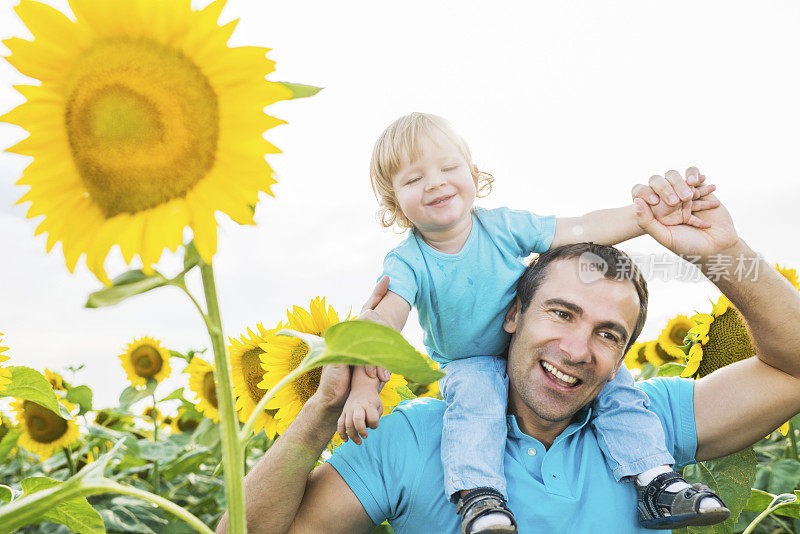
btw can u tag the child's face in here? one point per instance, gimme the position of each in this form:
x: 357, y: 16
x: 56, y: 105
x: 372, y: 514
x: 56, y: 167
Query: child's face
x: 436, y: 192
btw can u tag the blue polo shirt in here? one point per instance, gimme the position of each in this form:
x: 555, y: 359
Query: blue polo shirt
x: 397, y: 474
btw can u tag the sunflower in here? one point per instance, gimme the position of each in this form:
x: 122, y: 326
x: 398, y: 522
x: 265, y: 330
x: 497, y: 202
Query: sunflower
x: 44, y: 432
x: 717, y: 339
x: 247, y: 373
x: 721, y: 337
x: 143, y: 359
x: 145, y: 122
x: 658, y: 356
x: 790, y: 275
x: 5, y: 374
x: 671, y: 338
x: 203, y: 385
x: 282, y: 354
x: 55, y: 379
x: 184, y: 421
x: 635, y: 358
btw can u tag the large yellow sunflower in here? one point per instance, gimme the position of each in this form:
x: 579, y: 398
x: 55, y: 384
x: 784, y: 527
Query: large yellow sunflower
x: 145, y: 122
x: 721, y: 337
x: 5, y: 374
x: 203, y: 385
x: 671, y: 338
x: 282, y: 354
x: 44, y: 432
x: 247, y: 373
x: 55, y: 379
x: 145, y: 358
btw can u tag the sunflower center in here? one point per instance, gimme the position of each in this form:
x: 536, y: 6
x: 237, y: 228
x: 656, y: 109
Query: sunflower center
x: 728, y: 342
x: 253, y: 373
x: 210, y: 389
x: 43, y: 425
x: 305, y: 385
x: 142, y: 122
x: 146, y: 361
x: 678, y: 333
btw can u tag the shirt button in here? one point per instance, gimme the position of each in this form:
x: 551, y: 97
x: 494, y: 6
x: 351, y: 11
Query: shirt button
x: 532, y: 452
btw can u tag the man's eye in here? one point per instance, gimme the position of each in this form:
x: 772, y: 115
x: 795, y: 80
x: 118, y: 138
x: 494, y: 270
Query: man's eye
x: 609, y: 336
x: 561, y: 314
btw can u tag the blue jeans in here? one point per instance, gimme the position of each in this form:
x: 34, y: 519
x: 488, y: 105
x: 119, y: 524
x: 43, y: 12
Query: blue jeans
x: 475, y: 392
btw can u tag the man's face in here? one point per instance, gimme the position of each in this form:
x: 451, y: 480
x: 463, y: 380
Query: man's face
x: 569, y: 342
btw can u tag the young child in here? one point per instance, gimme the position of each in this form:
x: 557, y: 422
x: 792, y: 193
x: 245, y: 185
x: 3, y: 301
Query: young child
x: 459, y: 267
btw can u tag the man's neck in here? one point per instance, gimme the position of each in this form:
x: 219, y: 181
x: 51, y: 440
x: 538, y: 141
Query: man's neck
x: 535, y: 426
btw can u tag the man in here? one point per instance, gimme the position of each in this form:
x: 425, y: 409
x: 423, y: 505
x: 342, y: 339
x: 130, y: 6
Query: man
x: 556, y: 474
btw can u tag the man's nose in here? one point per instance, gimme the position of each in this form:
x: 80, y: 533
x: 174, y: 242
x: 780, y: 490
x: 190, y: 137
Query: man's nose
x: 575, y: 345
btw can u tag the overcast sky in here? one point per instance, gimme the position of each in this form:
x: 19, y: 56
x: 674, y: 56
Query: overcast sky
x: 568, y: 104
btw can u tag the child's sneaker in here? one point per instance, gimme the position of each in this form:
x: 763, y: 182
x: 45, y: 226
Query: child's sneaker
x: 484, y: 511
x: 660, y: 508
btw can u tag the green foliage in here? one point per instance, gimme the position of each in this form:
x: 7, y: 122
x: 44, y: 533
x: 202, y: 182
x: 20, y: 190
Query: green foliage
x: 301, y: 91
x: 780, y: 476
x: 366, y: 343
x: 76, y: 513
x: 29, y: 384
x: 670, y: 369
x: 125, y: 285
x: 82, y: 396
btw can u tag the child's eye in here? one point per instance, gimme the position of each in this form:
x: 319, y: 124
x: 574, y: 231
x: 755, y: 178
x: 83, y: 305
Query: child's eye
x: 449, y: 168
x: 414, y: 179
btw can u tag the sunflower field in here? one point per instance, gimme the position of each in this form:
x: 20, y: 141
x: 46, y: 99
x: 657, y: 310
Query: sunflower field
x: 143, y: 125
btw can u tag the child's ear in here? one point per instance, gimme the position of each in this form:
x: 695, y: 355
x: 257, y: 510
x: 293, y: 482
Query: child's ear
x: 511, y: 321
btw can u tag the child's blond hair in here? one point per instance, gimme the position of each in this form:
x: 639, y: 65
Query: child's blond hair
x: 403, y: 137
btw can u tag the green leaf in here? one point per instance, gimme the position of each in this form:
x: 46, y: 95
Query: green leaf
x: 75, y: 513
x: 301, y: 91
x: 405, y: 393
x: 175, y: 395
x: 760, y: 500
x: 125, y: 285
x: 729, y: 477
x: 670, y: 369
x: 6, y: 493
x: 367, y: 343
x: 781, y: 476
x: 8, y: 442
x: 206, y: 434
x: 131, y: 395
x: 30, y: 384
x: 81, y: 395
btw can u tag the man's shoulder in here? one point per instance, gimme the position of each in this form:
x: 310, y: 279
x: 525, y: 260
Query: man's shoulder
x: 423, y: 415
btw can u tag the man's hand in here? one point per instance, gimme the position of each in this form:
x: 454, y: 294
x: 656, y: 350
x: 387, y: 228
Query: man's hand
x: 717, y: 235
x: 674, y: 200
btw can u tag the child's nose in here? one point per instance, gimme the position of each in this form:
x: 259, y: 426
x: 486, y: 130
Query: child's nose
x: 435, y: 181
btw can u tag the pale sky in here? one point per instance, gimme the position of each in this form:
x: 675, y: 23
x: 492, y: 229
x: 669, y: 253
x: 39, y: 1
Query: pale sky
x: 567, y: 104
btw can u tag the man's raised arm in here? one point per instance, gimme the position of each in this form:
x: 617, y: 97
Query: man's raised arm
x: 737, y: 405
x: 284, y: 493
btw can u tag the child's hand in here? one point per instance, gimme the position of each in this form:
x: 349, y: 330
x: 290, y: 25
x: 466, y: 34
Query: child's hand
x: 363, y: 407
x: 675, y: 200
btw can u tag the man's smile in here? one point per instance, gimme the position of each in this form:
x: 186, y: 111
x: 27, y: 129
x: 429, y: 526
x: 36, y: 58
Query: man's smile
x: 559, y: 378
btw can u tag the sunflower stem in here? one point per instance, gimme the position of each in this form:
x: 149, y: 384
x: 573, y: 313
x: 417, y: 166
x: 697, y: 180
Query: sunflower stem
x: 792, y: 442
x: 244, y: 435
x: 30, y: 509
x: 70, y: 463
x: 232, y: 454
x: 155, y: 418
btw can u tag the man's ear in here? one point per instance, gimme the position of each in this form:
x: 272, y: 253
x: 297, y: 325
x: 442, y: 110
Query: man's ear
x: 511, y: 321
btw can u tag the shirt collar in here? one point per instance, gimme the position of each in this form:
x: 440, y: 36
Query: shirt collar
x: 581, y: 419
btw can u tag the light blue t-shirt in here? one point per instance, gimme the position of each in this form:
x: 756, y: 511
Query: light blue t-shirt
x: 462, y: 298
x: 396, y: 473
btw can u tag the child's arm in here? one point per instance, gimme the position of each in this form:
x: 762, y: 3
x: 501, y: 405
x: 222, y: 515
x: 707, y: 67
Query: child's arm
x: 363, y: 407
x: 675, y: 201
